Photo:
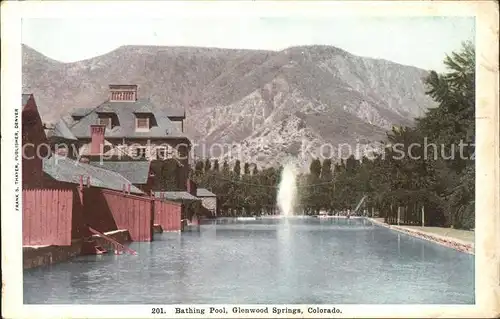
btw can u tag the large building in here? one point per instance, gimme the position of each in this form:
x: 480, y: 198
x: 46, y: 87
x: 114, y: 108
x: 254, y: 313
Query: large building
x: 66, y: 200
x: 127, y: 135
x: 125, y: 127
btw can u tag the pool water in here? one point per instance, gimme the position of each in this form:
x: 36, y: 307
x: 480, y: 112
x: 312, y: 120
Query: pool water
x: 266, y: 261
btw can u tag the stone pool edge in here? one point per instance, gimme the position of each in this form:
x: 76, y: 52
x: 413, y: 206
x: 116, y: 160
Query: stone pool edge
x: 438, y: 239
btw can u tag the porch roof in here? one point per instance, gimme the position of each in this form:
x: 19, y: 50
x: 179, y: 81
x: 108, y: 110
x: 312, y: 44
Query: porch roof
x: 135, y: 171
x: 203, y: 192
x: 179, y: 195
x: 64, y: 169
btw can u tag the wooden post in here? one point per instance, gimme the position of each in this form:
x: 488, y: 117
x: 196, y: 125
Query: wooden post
x: 423, y: 216
x: 391, y: 217
x: 80, y: 189
x: 372, y: 212
x: 399, y: 214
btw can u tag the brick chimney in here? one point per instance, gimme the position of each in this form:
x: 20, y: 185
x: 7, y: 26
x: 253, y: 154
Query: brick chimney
x: 97, y: 134
x: 123, y: 92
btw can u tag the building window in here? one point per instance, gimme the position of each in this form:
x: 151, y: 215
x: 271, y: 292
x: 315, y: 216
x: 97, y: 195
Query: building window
x: 140, y: 152
x: 161, y: 153
x: 106, y: 121
x: 122, y: 96
x: 142, y: 123
x: 170, y: 152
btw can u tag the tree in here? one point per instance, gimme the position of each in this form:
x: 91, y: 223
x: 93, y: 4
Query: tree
x: 198, y: 168
x: 246, y: 169
x: 326, y: 169
x: 255, y: 170
x: 166, y: 177
x: 225, y: 167
x: 237, y: 168
x: 216, y: 166
x: 315, y: 168
x: 208, y: 165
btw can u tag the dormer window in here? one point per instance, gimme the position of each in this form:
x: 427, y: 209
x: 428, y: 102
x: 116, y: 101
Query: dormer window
x: 106, y: 121
x: 142, y: 122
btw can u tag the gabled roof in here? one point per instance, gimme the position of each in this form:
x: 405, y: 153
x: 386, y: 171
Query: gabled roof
x: 203, y: 192
x: 24, y: 99
x: 176, y: 196
x: 135, y: 171
x: 105, y: 109
x: 60, y: 130
x: 82, y: 111
x: 144, y: 109
x: 64, y: 169
x: 126, y: 121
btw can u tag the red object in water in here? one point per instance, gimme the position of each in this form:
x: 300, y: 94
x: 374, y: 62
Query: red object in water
x: 113, y: 242
x: 99, y: 250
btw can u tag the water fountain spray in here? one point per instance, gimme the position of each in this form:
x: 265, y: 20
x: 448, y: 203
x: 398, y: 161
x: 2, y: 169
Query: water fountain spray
x: 287, y: 191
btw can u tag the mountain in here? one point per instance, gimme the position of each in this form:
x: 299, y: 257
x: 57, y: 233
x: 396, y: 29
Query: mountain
x: 268, y: 104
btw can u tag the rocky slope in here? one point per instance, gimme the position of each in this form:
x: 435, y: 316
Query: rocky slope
x: 270, y: 105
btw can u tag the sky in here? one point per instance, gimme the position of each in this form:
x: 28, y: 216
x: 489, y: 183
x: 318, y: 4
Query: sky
x: 418, y: 41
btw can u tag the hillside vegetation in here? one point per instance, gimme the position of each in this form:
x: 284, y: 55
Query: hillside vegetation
x: 438, y: 180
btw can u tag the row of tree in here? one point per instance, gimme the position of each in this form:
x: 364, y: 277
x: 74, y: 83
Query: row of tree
x: 436, y: 175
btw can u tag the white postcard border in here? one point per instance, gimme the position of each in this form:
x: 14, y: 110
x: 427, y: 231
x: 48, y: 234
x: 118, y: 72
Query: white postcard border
x: 487, y: 260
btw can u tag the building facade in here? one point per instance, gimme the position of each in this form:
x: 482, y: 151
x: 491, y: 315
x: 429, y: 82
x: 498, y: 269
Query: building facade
x: 208, y: 200
x: 125, y: 127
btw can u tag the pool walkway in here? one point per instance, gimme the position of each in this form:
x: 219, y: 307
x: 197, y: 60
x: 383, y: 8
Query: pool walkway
x: 461, y: 240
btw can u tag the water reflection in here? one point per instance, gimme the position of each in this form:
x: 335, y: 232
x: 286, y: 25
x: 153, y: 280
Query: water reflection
x: 422, y: 254
x: 399, y: 244
x: 285, y: 250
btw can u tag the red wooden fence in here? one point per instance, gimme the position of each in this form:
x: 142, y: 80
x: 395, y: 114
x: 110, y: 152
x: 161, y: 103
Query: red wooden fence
x: 47, y: 217
x: 107, y: 210
x: 168, y: 215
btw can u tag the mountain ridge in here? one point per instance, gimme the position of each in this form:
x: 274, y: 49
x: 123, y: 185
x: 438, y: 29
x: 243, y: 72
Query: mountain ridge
x: 322, y: 94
